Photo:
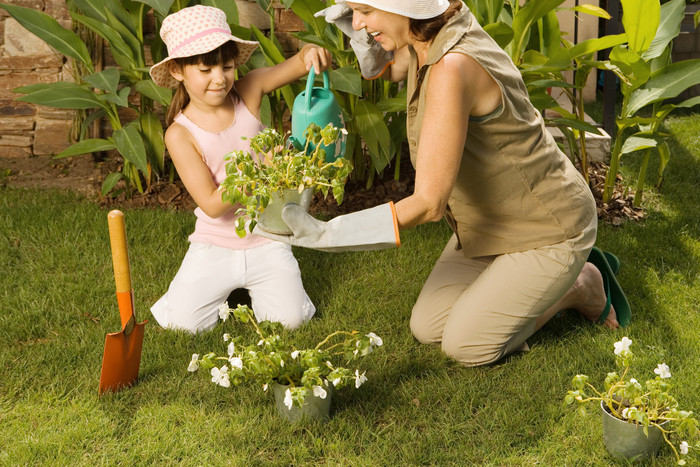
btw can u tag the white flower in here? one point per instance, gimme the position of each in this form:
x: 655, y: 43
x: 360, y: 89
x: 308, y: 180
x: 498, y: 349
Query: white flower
x: 224, y: 311
x: 359, y: 379
x: 236, y: 362
x: 227, y: 337
x: 623, y: 345
x: 194, y: 365
x: 295, y: 354
x: 231, y: 349
x: 261, y: 342
x: 288, y: 399
x: 335, y: 381
x: 663, y: 371
x: 220, y: 376
x: 633, y: 381
x: 265, y: 387
x: 374, y: 340
x: 319, y: 392
x: 626, y: 411
x: 282, y: 363
x: 684, y: 448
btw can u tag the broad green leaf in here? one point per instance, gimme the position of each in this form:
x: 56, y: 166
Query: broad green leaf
x: 576, y: 124
x: 75, y: 97
x: 592, y: 10
x: 152, y: 132
x: 692, y: 102
x: 524, y: 20
x: 541, y: 100
x: 98, y: 10
x: 666, y: 84
x: 107, y: 80
x: 305, y: 10
x: 55, y: 87
x: 47, y: 29
x: 637, y: 143
x: 271, y: 51
x: 590, y: 46
x: 500, y: 32
x: 635, y: 69
x: 640, y: 19
x: 373, y: 130
x: 550, y: 83
x: 161, y: 6
x: 130, y: 145
x: 550, y: 34
x: 672, y: 14
x: 129, y: 37
x: 86, y: 146
x: 120, y: 50
x: 110, y: 182
x: 121, y: 97
x: 227, y: 6
x: 394, y: 104
x: 346, y: 79
x: 149, y: 89
x: 664, y: 158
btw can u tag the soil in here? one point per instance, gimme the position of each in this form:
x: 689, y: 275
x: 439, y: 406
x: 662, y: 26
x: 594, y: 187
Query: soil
x: 85, y: 175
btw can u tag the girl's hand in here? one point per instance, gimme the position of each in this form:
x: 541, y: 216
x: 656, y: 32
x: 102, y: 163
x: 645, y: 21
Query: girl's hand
x: 313, y: 55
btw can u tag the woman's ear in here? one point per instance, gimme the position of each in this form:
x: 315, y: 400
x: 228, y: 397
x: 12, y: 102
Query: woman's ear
x: 175, y: 71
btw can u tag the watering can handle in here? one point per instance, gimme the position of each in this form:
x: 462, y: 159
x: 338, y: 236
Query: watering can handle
x: 310, y: 85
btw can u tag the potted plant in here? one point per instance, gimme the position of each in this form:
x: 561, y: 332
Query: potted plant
x: 636, y: 417
x: 302, y: 379
x: 275, y: 172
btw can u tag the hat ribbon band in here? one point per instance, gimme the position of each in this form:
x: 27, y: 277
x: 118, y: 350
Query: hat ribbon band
x: 197, y: 36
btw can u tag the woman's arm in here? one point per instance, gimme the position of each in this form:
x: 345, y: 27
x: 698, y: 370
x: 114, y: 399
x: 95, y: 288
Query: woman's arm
x: 193, y: 172
x: 261, y: 81
x: 458, y: 86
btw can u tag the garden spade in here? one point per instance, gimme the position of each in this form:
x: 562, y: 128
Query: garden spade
x: 122, y: 355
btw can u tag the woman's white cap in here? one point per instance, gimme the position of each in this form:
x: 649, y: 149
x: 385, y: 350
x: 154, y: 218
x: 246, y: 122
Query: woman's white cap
x: 416, y: 9
x: 194, y: 31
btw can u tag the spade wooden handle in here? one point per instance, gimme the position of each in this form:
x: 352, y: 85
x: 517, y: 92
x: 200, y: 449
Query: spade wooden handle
x: 120, y: 253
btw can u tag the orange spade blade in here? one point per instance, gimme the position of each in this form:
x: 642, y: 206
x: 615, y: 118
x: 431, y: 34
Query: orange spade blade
x: 122, y: 359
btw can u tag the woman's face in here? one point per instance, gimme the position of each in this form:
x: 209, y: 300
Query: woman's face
x: 388, y: 29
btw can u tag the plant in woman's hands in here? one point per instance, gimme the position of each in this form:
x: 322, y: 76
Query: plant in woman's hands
x: 275, y: 164
x: 627, y: 399
x: 272, y: 359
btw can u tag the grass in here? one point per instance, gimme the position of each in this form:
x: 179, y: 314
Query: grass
x: 417, y: 408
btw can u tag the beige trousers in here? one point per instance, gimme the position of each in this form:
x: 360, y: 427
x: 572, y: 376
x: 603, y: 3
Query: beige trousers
x: 482, y: 309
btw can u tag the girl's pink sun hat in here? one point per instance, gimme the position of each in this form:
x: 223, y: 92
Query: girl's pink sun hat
x: 193, y: 31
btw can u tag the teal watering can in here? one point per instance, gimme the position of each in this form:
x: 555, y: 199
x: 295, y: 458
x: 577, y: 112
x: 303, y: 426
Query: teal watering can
x: 317, y: 105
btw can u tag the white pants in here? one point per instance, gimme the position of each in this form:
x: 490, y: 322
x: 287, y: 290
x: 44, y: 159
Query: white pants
x: 209, y: 273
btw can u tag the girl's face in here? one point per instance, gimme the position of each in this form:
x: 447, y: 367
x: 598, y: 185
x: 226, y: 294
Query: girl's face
x: 389, y: 29
x: 208, y: 85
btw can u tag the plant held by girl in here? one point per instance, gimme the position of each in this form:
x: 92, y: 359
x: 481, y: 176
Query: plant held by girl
x: 647, y: 405
x: 278, y: 165
x: 274, y: 360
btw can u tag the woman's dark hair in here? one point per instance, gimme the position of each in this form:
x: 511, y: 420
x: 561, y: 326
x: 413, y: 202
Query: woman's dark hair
x: 426, y: 29
x: 224, y: 54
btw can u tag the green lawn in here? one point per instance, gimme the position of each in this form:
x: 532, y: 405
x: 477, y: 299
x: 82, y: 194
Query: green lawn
x: 418, y: 408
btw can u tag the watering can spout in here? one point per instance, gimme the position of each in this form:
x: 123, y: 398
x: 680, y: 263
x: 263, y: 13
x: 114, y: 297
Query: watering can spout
x: 317, y: 105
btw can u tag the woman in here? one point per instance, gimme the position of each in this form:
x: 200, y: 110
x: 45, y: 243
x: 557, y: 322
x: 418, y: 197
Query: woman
x: 524, y: 220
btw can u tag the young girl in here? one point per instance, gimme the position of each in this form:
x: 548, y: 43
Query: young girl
x: 207, y: 119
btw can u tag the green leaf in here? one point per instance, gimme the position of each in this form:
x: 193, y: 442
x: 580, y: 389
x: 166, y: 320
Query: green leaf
x: 668, y: 83
x: 121, y: 98
x: 87, y: 146
x: 69, y: 97
x: 120, y: 50
x: 664, y: 158
x: 100, y: 10
x: 161, y: 6
x: 637, y: 143
x: 152, y: 132
x: 635, y: 69
x: 130, y: 145
x: 525, y: 19
x: 672, y: 14
x: 640, y: 19
x: 590, y: 46
x: 368, y: 120
x: 592, y: 10
x: 273, y: 55
x: 110, y: 182
x: 47, y: 29
x: 149, y: 89
x: 576, y: 125
x: 54, y: 87
x: 692, y: 102
x: 227, y: 6
x: 346, y: 79
x: 500, y: 32
x: 107, y: 80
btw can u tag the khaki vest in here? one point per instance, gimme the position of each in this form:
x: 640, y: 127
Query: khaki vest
x: 515, y: 189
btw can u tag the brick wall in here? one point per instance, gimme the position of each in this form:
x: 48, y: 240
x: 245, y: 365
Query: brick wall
x: 30, y: 130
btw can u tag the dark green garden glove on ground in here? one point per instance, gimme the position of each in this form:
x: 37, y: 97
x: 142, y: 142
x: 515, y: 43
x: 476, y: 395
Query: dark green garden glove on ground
x: 373, y: 59
x: 370, y: 229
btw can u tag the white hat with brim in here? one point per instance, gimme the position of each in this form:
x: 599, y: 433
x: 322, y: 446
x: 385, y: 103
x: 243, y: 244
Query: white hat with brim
x: 195, y: 31
x: 415, y: 9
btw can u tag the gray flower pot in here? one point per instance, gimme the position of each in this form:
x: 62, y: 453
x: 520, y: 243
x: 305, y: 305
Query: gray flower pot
x: 270, y: 219
x: 313, y: 409
x: 624, y: 439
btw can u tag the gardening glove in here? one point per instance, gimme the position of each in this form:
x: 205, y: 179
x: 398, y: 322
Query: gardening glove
x: 370, y: 229
x: 373, y: 59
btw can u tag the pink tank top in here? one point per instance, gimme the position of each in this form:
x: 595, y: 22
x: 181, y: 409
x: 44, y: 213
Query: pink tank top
x: 214, y: 146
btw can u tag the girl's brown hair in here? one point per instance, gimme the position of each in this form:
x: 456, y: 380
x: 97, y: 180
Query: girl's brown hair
x: 426, y: 29
x: 224, y: 54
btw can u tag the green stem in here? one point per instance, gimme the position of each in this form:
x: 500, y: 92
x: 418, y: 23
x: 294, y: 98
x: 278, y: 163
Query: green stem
x: 642, y: 176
